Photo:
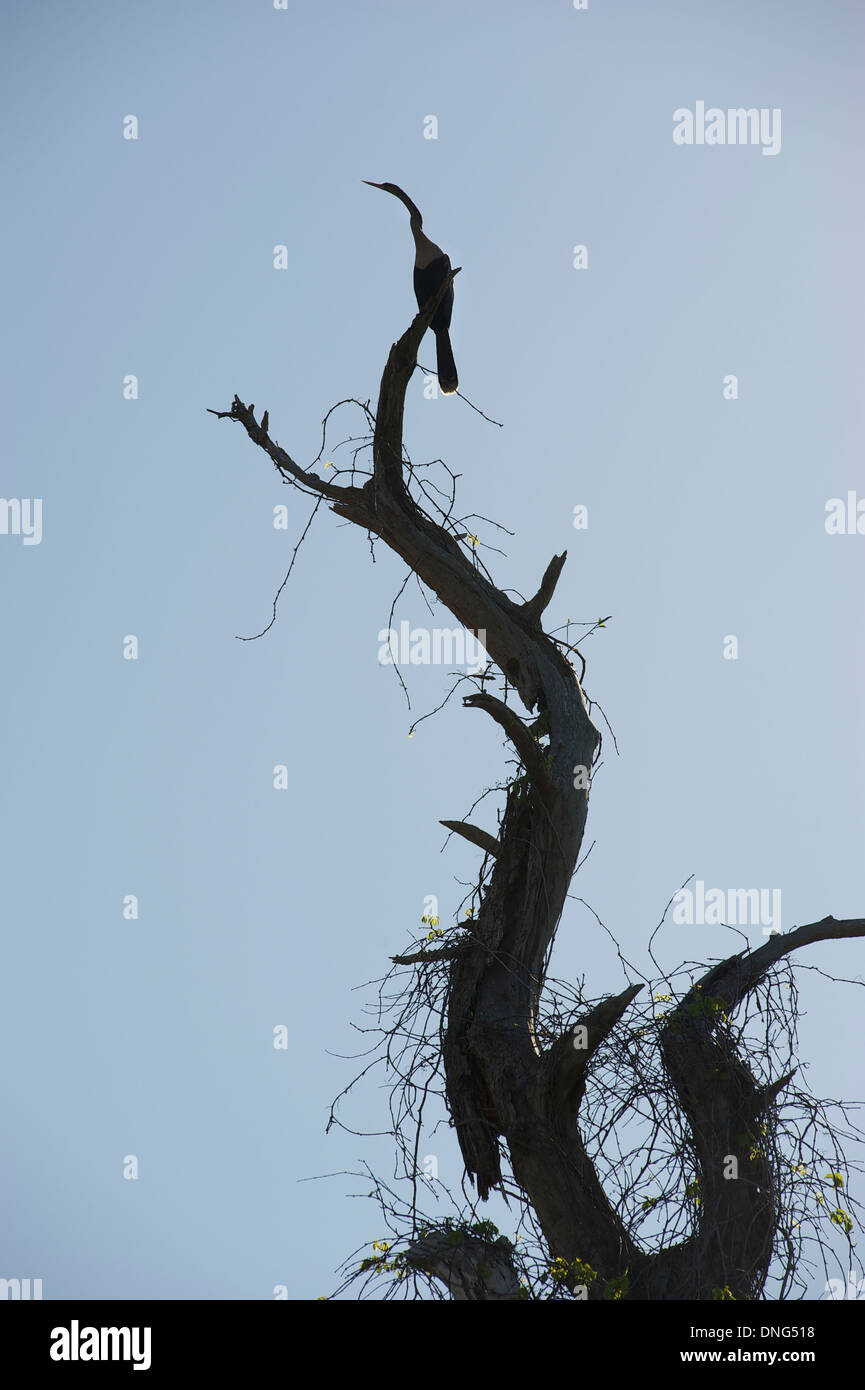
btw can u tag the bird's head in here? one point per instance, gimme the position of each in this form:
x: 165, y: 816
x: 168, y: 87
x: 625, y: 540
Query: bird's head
x: 397, y: 193
x: 388, y: 188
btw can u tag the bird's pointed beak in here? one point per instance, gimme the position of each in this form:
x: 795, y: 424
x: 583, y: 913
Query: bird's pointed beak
x: 370, y: 184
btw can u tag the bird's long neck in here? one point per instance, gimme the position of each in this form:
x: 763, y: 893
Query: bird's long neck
x: 425, y: 251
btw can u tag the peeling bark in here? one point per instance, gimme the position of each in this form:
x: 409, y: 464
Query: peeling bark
x: 471, y: 1269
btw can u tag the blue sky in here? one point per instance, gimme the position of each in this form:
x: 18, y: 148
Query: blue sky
x: 155, y: 257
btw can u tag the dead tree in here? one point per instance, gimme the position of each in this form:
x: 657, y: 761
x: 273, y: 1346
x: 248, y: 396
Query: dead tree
x: 509, y: 1093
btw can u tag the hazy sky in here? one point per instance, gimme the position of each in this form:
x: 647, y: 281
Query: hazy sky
x: 153, y: 258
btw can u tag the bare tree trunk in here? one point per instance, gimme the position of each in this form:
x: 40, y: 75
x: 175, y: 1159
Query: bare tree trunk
x: 503, y: 1088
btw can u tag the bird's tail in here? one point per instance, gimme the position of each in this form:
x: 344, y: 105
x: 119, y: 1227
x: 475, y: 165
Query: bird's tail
x: 445, y: 365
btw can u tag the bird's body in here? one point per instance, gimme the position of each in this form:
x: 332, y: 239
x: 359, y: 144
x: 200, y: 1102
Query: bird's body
x: 431, y: 265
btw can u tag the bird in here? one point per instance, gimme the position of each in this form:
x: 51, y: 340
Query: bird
x: 431, y: 265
